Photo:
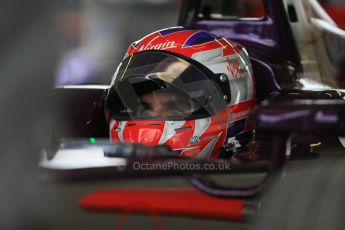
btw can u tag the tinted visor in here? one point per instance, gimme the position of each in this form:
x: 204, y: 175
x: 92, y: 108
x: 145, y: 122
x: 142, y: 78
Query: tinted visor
x: 159, y: 85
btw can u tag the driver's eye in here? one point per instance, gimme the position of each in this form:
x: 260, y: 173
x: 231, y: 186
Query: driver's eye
x: 175, y: 112
x: 145, y: 109
x: 146, y: 112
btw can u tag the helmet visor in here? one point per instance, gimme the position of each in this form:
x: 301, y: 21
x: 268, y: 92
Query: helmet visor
x: 159, y: 85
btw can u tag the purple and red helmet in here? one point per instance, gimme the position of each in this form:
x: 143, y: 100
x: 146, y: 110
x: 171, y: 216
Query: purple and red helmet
x: 188, y: 89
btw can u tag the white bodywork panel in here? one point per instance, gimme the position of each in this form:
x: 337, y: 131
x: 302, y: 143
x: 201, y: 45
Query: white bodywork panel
x: 316, y: 34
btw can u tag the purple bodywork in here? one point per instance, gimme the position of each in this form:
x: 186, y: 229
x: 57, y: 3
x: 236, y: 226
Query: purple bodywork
x: 276, y: 65
x: 271, y: 34
x: 269, y: 41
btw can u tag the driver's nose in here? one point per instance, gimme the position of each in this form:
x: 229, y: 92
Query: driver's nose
x: 158, y: 112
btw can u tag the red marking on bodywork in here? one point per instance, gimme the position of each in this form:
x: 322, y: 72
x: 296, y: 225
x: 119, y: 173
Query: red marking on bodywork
x: 337, y: 12
x: 123, y: 221
x: 181, y: 202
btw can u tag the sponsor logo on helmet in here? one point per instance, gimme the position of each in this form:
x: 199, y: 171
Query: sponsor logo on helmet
x: 233, y: 68
x: 210, y: 138
x: 160, y: 46
x: 195, y: 140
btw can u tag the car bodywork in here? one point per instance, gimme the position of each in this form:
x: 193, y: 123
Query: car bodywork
x: 293, y: 44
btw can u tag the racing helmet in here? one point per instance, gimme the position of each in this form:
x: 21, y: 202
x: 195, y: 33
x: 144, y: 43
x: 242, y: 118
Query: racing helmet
x: 188, y: 89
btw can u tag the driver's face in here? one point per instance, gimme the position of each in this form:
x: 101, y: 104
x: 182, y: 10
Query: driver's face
x: 164, y: 104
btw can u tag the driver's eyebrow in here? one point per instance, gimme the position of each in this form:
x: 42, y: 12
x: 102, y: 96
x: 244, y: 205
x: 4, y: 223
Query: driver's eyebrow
x: 179, y: 101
